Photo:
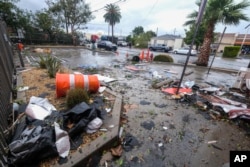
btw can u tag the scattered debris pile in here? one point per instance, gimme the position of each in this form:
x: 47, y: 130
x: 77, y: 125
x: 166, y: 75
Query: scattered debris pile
x: 46, y: 133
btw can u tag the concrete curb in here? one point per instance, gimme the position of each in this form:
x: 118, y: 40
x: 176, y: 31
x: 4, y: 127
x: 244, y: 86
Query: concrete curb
x: 200, y: 67
x: 21, y: 95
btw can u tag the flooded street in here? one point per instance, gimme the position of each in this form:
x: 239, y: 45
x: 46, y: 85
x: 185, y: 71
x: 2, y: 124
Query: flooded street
x: 159, y: 131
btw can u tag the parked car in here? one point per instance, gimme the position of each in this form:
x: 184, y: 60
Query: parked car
x: 122, y: 43
x: 185, y: 50
x: 159, y: 47
x: 107, y: 45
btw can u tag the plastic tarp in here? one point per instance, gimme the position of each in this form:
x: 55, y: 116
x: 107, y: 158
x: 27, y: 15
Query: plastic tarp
x: 37, y: 139
x: 173, y: 90
x: 39, y: 108
x: 105, y: 78
x: 94, y: 125
x: 80, y: 116
x: 62, y: 141
x: 34, y: 144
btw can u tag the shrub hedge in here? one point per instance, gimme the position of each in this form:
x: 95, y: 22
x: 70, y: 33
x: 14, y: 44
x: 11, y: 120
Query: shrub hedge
x: 163, y: 58
x: 231, y: 51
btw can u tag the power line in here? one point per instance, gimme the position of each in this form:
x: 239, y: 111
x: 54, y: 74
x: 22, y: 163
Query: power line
x: 150, y: 11
x: 104, y: 6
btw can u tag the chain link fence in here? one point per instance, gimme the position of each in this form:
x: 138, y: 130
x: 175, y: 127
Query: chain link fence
x: 6, y: 87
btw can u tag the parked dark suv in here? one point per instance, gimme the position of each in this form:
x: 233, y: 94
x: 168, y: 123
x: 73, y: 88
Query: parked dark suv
x: 107, y: 45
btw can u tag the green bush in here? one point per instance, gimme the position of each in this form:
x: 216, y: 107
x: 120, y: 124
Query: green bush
x: 163, y: 58
x: 76, y: 96
x: 42, y: 61
x: 50, y: 63
x: 52, y: 66
x: 231, y: 51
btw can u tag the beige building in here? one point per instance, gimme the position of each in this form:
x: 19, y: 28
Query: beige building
x: 232, y: 39
x: 172, y: 41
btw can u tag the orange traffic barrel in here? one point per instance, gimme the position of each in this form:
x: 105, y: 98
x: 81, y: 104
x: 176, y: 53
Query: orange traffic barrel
x: 64, y: 82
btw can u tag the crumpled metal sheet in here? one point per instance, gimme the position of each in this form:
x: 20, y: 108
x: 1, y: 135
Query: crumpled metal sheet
x: 245, y: 113
x: 248, y: 83
x: 235, y: 103
x: 227, y: 107
x: 39, y: 108
x: 62, y: 141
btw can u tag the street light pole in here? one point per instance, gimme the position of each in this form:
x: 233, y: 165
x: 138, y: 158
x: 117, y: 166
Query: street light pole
x: 216, y: 50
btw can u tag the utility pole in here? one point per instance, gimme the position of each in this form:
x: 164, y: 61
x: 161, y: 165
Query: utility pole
x: 174, y: 30
x: 198, y: 21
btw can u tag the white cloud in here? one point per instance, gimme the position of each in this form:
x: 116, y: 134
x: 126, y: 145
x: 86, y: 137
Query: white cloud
x: 168, y: 16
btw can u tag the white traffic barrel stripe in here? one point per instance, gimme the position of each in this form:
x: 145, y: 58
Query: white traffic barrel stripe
x: 72, y: 81
x: 86, y: 82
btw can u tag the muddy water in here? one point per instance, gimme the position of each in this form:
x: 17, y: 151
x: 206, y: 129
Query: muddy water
x: 170, y: 133
x: 73, y: 58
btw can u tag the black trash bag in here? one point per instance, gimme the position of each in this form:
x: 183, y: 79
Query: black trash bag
x: 55, y: 116
x: 78, y: 112
x: 34, y: 139
x: 79, y: 116
x: 35, y: 144
x: 129, y: 142
x: 99, y: 106
x: 78, y: 128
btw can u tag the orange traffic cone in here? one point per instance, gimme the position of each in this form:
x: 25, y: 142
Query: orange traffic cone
x: 147, y: 56
x: 142, y: 55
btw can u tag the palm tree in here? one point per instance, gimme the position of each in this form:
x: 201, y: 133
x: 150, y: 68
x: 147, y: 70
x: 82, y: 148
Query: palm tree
x: 218, y: 11
x: 112, y: 16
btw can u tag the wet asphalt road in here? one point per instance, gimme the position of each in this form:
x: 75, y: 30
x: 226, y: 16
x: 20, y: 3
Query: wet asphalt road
x: 82, y: 57
x: 159, y: 131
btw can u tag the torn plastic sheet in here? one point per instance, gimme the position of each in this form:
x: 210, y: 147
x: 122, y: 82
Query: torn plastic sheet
x: 242, y: 113
x: 39, y: 108
x: 248, y: 83
x: 94, y: 125
x: 104, y: 78
x: 188, y: 84
x: 155, y: 74
x: 101, y: 89
x: 227, y: 107
x: 132, y: 68
x: 33, y: 145
x: 210, y: 89
x: 82, y: 114
x: 62, y: 141
x: 173, y: 90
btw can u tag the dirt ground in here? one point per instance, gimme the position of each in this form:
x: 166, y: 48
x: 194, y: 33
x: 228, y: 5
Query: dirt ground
x: 160, y: 131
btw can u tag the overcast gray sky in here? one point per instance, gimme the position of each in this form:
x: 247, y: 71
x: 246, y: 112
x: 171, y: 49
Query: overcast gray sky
x: 161, y: 16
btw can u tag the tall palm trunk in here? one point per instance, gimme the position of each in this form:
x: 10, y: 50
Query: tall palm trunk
x: 112, y: 29
x: 205, y: 48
